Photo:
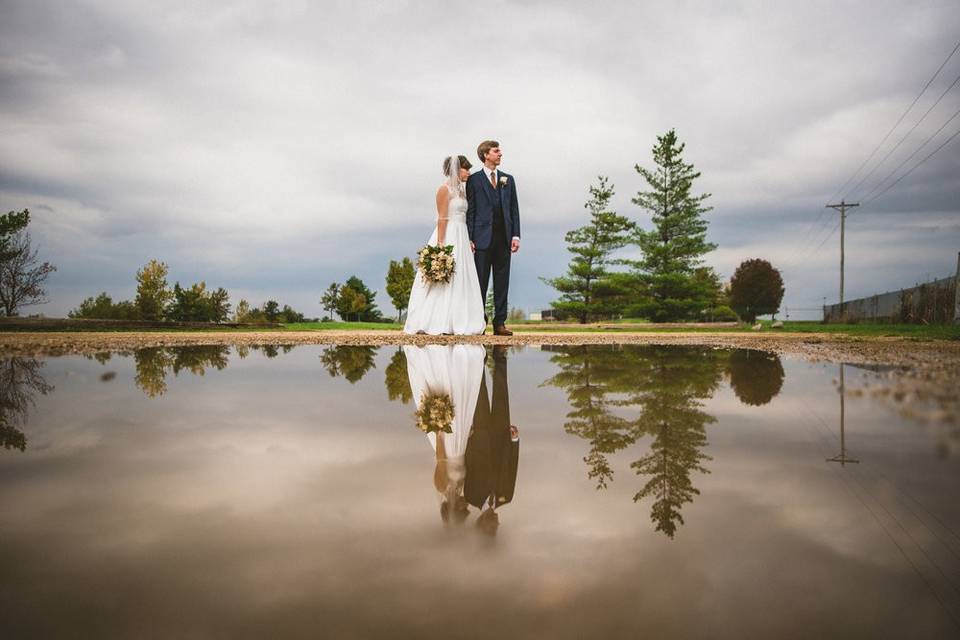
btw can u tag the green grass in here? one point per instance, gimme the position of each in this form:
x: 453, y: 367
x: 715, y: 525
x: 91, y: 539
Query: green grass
x: 910, y: 331
x: 938, y: 332
x: 929, y: 332
x: 341, y: 326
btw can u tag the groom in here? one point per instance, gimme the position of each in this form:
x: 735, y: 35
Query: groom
x: 493, y: 450
x: 493, y: 223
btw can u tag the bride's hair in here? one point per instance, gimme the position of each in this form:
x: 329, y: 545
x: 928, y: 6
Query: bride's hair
x: 464, y: 164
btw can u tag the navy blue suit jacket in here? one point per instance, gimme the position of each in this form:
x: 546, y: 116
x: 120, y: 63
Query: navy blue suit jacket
x: 481, y: 198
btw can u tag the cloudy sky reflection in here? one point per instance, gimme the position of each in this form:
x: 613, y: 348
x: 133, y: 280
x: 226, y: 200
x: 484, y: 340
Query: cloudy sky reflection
x: 270, y: 495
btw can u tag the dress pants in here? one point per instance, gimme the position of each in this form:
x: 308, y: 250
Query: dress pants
x: 495, y: 259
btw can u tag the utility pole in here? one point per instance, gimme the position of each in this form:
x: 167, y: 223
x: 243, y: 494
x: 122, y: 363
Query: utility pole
x: 956, y: 294
x: 842, y: 457
x: 842, y: 208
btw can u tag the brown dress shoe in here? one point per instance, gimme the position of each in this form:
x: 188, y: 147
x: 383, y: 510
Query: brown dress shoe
x: 502, y: 331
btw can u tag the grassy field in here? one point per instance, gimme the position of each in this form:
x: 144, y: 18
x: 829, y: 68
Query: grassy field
x: 342, y: 326
x: 936, y: 332
x: 940, y: 332
x: 919, y: 332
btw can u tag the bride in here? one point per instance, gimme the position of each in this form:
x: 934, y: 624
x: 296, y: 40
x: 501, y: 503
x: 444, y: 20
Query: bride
x: 457, y: 306
x: 454, y: 370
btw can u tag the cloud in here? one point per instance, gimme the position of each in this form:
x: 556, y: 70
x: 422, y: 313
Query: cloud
x: 279, y: 146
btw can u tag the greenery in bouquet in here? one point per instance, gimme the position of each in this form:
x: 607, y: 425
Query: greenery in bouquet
x: 435, y: 413
x: 436, y: 263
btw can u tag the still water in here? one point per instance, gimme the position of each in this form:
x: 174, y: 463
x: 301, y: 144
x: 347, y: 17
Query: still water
x: 580, y: 492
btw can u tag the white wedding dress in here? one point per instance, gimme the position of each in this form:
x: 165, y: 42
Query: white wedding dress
x: 455, y: 370
x: 455, y: 307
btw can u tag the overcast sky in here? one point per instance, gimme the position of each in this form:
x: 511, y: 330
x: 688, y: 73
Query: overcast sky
x: 274, y: 147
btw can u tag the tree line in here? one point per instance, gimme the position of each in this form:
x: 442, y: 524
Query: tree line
x: 353, y: 301
x: 156, y: 301
x: 669, y: 281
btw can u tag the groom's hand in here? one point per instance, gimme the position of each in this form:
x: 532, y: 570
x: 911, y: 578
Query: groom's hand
x: 473, y: 248
x: 515, y: 245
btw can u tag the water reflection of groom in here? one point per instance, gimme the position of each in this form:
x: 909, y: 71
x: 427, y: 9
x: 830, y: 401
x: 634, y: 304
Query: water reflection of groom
x: 493, y: 449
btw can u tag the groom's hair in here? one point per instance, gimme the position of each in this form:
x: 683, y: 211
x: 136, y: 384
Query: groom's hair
x: 464, y: 164
x: 484, y: 147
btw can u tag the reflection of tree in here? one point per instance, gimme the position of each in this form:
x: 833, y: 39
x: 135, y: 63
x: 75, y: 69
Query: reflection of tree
x: 103, y: 357
x: 670, y: 392
x: 397, y: 380
x: 269, y: 351
x: 755, y: 376
x: 589, y: 375
x: 20, y: 381
x: 351, y: 362
x: 154, y: 363
x: 620, y: 394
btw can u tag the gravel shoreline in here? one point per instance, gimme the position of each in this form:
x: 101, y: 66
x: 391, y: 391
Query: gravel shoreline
x: 816, y: 347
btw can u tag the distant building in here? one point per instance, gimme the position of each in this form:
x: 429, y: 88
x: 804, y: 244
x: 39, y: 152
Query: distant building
x: 535, y: 315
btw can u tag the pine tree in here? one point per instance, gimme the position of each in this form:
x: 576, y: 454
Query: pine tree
x: 674, y: 248
x: 588, y: 290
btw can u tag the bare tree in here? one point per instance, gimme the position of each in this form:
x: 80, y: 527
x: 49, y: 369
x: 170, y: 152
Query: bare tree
x: 20, y: 381
x: 22, y: 276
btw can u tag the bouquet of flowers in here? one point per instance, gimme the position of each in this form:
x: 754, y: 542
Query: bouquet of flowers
x: 435, y: 413
x: 436, y: 263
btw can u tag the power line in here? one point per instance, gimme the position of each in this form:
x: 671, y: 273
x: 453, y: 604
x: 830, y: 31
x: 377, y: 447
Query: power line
x: 802, y: 256
x: 915, y: 152
x: 800, y: 253
x: 788, y: 266
x: 829, y: 235
x: 914, y: 167
x: 897, y: 124
x: 906, y: 135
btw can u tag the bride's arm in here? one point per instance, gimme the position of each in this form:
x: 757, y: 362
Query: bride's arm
x: 443, y: 202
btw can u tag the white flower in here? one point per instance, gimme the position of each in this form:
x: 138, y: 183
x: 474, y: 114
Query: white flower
x: 503, y: 180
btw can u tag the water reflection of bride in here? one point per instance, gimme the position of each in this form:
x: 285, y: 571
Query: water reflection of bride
x: 457, y: 371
